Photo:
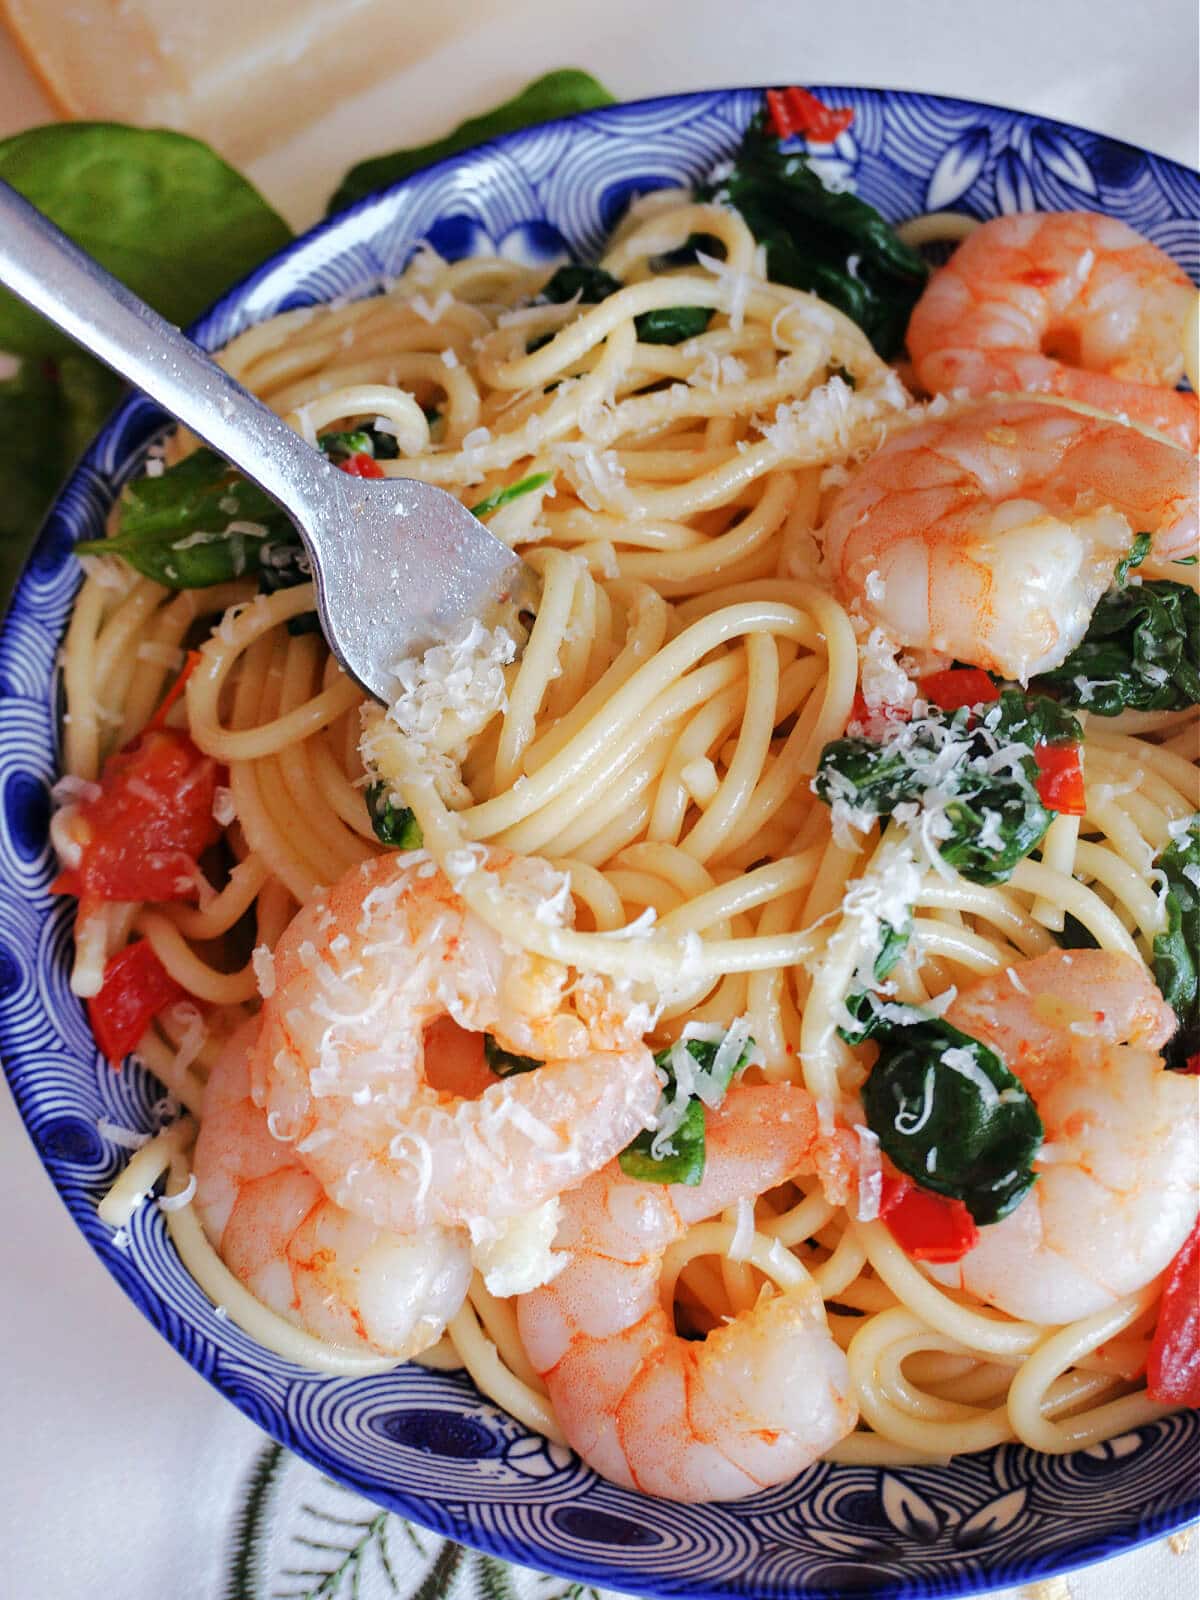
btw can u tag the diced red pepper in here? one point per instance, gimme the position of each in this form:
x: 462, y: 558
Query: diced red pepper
x: 136, y: 988
x: 361, y: 465
x: 1173, y: 1367
x: 1060, y: 778
x: 927, y: 1226
x: 159, y: 718
x: 1192, y: 1068
x: 144, y: 832
x: 957, y: 687
x: 795, y: 110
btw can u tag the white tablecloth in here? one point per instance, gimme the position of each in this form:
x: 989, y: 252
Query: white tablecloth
x: 121, y: 1472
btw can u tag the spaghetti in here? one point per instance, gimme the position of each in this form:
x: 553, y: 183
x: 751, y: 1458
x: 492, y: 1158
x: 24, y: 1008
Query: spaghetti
x: 656, y: 744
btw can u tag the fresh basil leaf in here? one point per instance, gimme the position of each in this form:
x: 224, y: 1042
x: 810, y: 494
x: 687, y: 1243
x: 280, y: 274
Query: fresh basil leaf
x: 514, y: 491
x: 949, y: 1113
x: 1136, y: 554
x: 557, y: 94
x: 835, y: 245
x: 394, y: 825
x: 680, y: 1157
x: 161, y: 211
x: 1141, y: 650
x: 506, y: 1063
x: 1176, y: 950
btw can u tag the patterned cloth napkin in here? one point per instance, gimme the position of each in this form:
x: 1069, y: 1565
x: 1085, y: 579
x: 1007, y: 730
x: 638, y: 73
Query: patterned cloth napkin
x: 300, y: 1536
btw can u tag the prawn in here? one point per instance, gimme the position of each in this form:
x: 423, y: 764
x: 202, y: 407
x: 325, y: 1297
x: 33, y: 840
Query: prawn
x: 753, y: 1404
x: 356, y: 1000
x: 1060, y: 303
x: 1118, y: 1186
x: 989, y: 535
x: 335, y: 1275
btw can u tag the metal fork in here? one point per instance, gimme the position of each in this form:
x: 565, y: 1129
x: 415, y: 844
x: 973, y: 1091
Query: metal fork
x: 398, y: 564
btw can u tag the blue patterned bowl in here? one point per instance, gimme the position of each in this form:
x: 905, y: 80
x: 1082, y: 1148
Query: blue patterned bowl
x: 424, y: 1443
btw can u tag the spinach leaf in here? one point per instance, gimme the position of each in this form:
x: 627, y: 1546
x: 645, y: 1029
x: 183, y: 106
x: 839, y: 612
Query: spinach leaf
x: 859, y: 1004
x: 1075, y: 936
x: 1141, y: 650
x: 514, y: 491
x: 196, y: 524
x: 667, y: 325
x: 833, y: 244
x: 49, y: 410
x: 592, y: 284
x: 161, y: 211
x: 950, y: 1114
x: 372, y: 442
x: 1177, y: 947
x: 981, y: 805
x: 557, y: 94
x: 671, y: 324
x: 1134, y: 556
x: 678, y: 1156
x: 394, y: 825
x: 506, y: 1063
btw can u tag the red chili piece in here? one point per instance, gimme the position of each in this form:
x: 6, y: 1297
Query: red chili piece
x: 957, y: 687
x: 361, y: 465
x: 860, y: 711
x: 136, y: 988
x: 1173, y: 1367
x: 795, y: 110
x: 143, y: 833
x: 1060, y: 778
x: 159, y: 719
x: 927, y: 1226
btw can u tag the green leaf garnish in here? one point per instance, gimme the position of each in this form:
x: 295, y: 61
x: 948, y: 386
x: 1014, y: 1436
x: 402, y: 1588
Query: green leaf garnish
x: 950, y: 1114
x: 1176, y: 950
x: 557, y: 94
x: 1136, y: 554
x: 161, y: 211
x: 835, y: 245
x: 679, y: 1156
x: 394, y: 825
x: 1141, y: 651
x: 514, y: 491
x: 988, y: 820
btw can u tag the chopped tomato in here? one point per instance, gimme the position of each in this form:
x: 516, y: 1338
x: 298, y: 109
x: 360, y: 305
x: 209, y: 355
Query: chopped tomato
x: 1060, y: 778
x: 143, y: 833
x: 159, y: 718
x: 927, y: 1226
x: 957, y: 687
x: 795, y: 110
x: 1173, y: 1367
x: 136, y: 988
x: 361, y: 465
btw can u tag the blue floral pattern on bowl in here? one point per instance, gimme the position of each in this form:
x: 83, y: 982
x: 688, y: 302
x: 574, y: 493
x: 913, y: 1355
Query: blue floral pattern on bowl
x: 423, y: 1443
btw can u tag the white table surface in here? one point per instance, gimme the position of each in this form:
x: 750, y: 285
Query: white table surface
x: 121, y: 1472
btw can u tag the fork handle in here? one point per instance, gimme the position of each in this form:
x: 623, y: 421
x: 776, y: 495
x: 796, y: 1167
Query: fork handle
x: 43, y: 267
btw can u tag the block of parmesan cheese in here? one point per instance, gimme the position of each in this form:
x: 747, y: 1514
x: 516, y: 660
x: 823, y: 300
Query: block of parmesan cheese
x: 242, y: 74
